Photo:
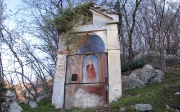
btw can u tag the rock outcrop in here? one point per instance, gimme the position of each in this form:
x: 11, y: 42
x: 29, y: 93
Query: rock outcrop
x: 33, y: 104
x: 143, y: 107
x: 14, y: 107
x: 153, y: 57
x: 140, y: 77
x: 129, y: 82
x: 11, y: 102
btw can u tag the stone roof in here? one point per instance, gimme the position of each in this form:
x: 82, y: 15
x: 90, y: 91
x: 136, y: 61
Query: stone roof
x: 102, y: 10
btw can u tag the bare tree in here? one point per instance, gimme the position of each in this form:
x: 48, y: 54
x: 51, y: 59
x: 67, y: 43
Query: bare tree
x: 164, y: 34
x: 24, y: 53
x: 1, y: 35
x: 131, y: 26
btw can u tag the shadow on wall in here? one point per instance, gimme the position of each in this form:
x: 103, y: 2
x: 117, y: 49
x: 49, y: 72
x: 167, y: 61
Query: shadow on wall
x: 88, y: 69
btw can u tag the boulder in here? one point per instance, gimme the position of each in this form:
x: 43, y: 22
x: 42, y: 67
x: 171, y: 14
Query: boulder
x: 84, y: 99
x: 33, y: 104
x: 129, y: 82
x: 159, y: 75
x: 10, y: 102
x: 143, y: 107
x: 140, y: 77
x: 145, y: 74
x: 14, y: 107
x: 10, y: 95
x: 169, y: 108
x: 177, y: 93
x: 40, y: 98
x: 123, y: 109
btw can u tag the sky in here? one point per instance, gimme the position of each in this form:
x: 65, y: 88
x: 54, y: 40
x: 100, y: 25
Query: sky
x: 11, y: 7
x: 12, y: 4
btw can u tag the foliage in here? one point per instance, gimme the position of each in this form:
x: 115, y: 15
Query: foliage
x: 2, y: 89
x: 46, y: 106
x: 133, y: 65
x: 2, y: 93
x: 43, y: 106
x: 70, y: 39
x: 158, y: 95
x: 71, y: 17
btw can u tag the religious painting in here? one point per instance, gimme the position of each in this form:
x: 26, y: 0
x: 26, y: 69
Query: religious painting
x: 90, y: 68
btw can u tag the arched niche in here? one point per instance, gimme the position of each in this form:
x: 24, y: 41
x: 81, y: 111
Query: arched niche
x: 90, y: 60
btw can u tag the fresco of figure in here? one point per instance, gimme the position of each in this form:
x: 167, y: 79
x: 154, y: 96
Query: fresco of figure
x: 90, y: 71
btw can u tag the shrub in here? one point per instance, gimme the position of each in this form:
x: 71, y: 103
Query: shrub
x: 2, y: 93
x: 70, y: 18
x: 132, y: 65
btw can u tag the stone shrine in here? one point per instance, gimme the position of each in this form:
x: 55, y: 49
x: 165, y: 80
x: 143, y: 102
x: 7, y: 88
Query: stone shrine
x: 89, y: 74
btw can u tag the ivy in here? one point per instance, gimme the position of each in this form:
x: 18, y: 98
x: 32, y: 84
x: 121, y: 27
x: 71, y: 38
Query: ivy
x: 133, y: 65
x: 2, y: 93
x: 72, y: 17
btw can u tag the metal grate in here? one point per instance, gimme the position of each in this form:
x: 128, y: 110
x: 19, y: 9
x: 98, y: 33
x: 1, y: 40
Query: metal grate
x: 86, y: 81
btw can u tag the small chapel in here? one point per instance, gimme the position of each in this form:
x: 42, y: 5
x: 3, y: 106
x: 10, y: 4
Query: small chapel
x: 88, y: 71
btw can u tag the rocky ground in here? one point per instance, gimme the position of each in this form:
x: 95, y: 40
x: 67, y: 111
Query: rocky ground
x: 160, y: 97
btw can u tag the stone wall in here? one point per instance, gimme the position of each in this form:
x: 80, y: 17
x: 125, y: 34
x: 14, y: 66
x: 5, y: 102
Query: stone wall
x: 99, y: 37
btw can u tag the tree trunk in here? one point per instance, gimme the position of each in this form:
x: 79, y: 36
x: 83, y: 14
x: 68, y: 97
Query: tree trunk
x: 130, y: 51
x: 1, y: 69
x: 162, y: 58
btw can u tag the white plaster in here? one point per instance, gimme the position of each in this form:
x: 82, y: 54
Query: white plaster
x: 99, y: 22
x: 115, y: 92
x: 58, y: 93
x: 107, y: 13
x: 61, y: 65
x: 87, y: 28
x: 112, y: 37
x: 114, y: 68
x: 98, y: 18
x: 84, y: 99
x: 58, y: 87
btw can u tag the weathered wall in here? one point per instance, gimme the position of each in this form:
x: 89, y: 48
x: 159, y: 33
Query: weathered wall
x: 59, y: 78
x: 84, y: 76
x: 102, y: 36
x: 115, y: 87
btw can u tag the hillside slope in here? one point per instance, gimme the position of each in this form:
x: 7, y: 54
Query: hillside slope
x: 158, y: 95
x: 161, y: 96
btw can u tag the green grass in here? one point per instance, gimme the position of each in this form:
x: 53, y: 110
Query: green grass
x: 43, y: 106
x: 46, y: 106
x: 158, y: 95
